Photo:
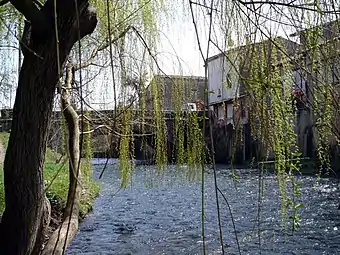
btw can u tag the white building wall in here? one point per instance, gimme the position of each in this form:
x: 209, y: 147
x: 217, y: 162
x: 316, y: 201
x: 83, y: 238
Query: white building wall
x: 223, y: 79
x: 230, y: 77
x: 215, y: 80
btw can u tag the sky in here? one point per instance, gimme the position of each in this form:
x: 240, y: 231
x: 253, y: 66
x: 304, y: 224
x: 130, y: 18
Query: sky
x: 177, y: 52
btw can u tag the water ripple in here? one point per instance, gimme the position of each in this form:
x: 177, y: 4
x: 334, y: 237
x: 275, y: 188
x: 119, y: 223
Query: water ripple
x: 163, y: 216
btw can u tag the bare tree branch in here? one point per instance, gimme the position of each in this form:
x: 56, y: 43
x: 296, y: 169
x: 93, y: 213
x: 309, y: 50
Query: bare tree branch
x: 290, y: 5
x: 13, y: 47
x: 204, y: 5
x: 100, y: 48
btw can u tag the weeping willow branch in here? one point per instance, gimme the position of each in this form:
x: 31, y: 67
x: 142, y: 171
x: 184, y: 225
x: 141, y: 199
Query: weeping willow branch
x: 210, y: 125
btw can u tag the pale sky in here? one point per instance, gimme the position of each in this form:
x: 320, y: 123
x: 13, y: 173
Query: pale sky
x: 177, y: 52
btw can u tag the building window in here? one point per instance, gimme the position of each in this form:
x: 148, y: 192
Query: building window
x: 230, y: 113
x: 228, y: 80
x: 219, y: 92
x: 220, y: 114
x: 215, y: 109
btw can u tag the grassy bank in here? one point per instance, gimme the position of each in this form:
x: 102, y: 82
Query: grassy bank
x: 56, y: 183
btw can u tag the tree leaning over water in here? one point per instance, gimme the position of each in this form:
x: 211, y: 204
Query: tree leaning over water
x: 23, y: 220
x: 51, y: 30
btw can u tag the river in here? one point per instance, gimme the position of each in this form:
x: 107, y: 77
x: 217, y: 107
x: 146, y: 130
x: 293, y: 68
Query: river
x: 162, y: 215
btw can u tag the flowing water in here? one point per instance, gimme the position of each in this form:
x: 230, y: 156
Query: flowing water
x: 162, y: 215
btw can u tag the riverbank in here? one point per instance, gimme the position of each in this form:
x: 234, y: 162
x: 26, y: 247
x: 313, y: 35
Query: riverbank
x: 56, y: 183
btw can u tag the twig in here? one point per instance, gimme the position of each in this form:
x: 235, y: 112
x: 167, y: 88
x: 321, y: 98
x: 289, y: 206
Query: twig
x: 232, y: 219
x: 302, y: 7
x: 20, y: 41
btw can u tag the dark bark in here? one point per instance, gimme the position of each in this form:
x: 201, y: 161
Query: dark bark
x: 61, y: 237
x: 43, y: 230
x: 24, y: 160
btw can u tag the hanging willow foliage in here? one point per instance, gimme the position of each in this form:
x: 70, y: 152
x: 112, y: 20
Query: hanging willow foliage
x: 195, y: 145
x: 132, y: 26
x: 322, y: 102
x: 188, y: 137
x: 160, y: 145
x: 272, y: 117
x: 178, y: 95
x: 126, y: 148
x: 87, y: 165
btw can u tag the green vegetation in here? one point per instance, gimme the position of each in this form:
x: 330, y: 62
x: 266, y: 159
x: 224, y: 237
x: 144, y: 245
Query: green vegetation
x: 57, y: 174
x: 56, y: 182
x: 4, y: 137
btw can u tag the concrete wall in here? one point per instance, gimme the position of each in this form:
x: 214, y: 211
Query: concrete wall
x: 324, y: 33
x: 174, y: 91
x: 223, y: 79
x: 215, y: 80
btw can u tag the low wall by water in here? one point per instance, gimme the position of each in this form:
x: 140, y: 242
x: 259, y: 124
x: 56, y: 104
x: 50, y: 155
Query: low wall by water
x: 229, y: 146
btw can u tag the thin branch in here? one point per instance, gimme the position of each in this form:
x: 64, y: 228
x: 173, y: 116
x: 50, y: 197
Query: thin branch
x: 149, y: 51
x: 196, y: 30
x: 205, y: 6
x: 232, y: 219
x: 301, y: 7
x: 204, y: 127
x: 212, y: 139
x: 98, y: 127
x: 24, y: 45
x: 99, y: 49
x: 10, y: 47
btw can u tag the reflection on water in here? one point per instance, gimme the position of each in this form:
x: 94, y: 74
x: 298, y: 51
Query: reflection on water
x: 162, y: 215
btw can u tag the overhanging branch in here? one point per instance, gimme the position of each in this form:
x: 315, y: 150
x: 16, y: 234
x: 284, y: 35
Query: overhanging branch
x: 29, y: 9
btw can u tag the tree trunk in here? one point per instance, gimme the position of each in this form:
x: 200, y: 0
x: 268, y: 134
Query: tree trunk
x: 65, y: 233
x: 24, y: 161
x: 43, y: 230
